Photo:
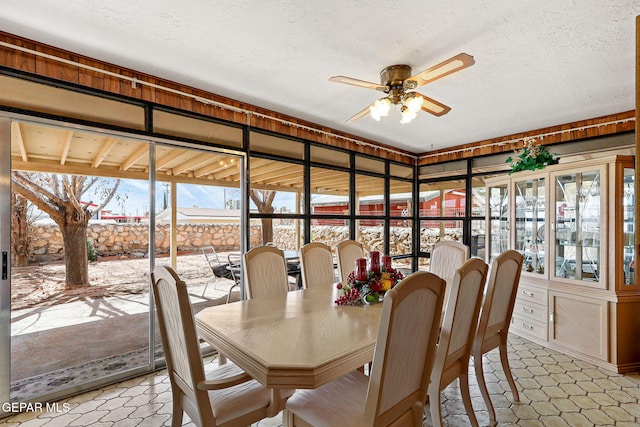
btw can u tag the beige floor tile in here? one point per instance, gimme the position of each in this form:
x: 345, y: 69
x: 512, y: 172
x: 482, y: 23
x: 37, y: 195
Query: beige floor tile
x: 555, y: 391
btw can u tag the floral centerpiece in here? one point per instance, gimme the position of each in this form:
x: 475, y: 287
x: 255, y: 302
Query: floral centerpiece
x: 370, y: 285
x: 531, y: 157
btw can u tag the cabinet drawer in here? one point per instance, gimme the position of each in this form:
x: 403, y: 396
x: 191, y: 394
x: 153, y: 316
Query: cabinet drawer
x: 521, y: 325
x: 527, y: 294
x: 530, y: 310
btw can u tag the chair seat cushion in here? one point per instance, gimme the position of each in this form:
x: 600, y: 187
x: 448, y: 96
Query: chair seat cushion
x: 235, y: 401
x: 338, y: 403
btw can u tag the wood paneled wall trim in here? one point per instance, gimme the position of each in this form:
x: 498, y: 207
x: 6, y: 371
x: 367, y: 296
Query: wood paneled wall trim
x: 273, y: 121
x: 264, y: 119
x: 600, y: 126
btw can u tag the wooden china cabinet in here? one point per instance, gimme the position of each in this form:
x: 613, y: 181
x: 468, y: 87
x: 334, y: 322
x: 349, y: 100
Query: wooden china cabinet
x: 575, y: 225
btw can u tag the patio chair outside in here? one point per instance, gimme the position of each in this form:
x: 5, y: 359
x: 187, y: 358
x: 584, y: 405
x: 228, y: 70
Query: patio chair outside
x: 226, y: 395
x: 218, y: 268
x: 395, y: 392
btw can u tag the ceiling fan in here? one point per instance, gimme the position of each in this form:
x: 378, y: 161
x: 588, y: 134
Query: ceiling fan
x: 398, y: 83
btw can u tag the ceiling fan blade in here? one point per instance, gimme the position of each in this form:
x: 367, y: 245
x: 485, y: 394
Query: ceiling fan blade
x: 359, y: 114
x: 361, y: 83
x: 444, y: 68
x: 434, y: 107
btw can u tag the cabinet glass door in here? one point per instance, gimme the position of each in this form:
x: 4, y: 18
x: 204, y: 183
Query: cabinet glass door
x: 530, y: 231
x: 577, y: 226
x: 499, y: 220
x: 629, y: 219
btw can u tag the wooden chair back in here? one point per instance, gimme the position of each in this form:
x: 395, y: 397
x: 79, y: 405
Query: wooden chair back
x: 405, y: 351
x: 456, y: 336
x: 447, y: 256
x: 180, y: 343
x: 493, y: 326
x: 265, y: 272
x: 316, y: 265
x: 347, y: 252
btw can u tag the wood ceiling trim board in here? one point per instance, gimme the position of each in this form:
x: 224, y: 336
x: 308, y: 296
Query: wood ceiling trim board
x: 193, y: 163
x: 66, y: 146
x: 134, y: 157
x: 16, y: 131
x: 268, y: 169
x: 216, y: 169
x: 104, y: 151
x: 228, y: 173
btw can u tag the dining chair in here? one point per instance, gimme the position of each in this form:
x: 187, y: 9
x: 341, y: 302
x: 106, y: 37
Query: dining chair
x: 395, y: 392
x: 446, y: 257
x: 456, y: 337
x: 316, y: 265
x: 495, y: 318
x: 224, y: 395
x: 347, y: 252
x: 265, y: 272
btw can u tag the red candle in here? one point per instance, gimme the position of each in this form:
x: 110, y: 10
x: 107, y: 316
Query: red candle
x: 361, y: 270
x: 386, y: 262
x: 374, y: 261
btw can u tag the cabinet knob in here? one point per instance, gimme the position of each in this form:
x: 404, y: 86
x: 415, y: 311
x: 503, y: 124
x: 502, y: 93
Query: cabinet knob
x: 527, y: 310
x: 527, y: 326
x: 529, y: 294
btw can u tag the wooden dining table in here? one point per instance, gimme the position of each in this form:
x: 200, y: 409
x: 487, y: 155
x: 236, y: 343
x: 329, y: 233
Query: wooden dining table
x: 301, y: 339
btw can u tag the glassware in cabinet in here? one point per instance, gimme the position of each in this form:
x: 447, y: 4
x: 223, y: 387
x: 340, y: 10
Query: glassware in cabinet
x: 576, y: 225
x: 498, y: 205
x: 530, y: 232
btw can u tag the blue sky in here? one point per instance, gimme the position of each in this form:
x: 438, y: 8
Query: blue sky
x: 136, y: 197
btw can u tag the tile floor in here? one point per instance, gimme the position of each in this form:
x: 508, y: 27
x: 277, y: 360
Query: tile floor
x: 555, y: 390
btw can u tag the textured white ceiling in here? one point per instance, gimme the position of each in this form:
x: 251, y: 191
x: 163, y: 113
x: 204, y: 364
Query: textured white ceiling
x: 538, y: 63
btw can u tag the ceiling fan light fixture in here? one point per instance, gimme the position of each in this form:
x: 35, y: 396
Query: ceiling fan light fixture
x: 380, y: 108
x: 407, y: 115
x: 413, y: 102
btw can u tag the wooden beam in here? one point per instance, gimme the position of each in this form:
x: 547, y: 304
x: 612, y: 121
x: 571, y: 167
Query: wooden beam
x: 135, y: 156
x: 16, y: 133
x: 111, y: 172
x: 229, y: 166
x: 171, y: 155
x: 193, y: 163
x: 66, y: 147
x: 267, y: 171
x: 286, y: 178
x: 103, y: 152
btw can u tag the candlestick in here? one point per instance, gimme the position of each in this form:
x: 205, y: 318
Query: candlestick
x: 386, y: 262
x: 361, y: 270
x: 374, y: 261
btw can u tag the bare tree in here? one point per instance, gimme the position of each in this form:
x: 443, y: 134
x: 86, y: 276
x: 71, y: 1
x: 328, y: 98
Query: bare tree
x: 20, y: 229
x: 263, y: 200
x: 60, y: 196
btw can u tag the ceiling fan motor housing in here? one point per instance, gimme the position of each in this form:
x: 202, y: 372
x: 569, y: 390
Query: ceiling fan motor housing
x: 394, y: 77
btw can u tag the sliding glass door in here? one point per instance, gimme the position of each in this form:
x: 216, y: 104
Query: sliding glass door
x: 79, y: 210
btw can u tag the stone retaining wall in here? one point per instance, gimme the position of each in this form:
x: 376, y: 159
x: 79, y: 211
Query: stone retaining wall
x: 132, y: 239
